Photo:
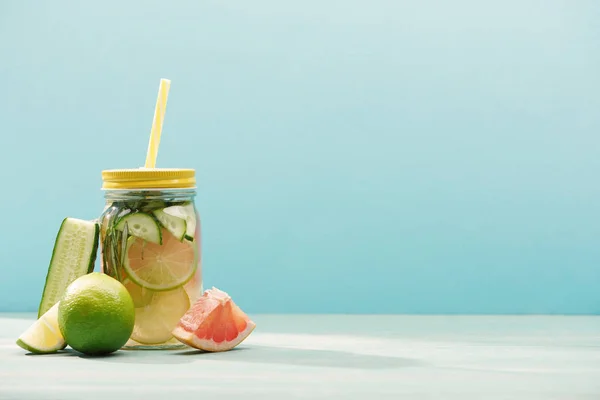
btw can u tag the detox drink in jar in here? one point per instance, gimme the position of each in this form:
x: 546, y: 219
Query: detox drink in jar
x: 150, y: 242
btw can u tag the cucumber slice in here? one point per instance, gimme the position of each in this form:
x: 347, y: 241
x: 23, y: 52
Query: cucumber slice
x: 74, y: 255
x: 141, y: 225
x: 177, y: 226
x: 187, y: 213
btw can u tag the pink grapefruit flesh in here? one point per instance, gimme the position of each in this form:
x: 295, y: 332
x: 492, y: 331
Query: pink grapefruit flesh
x: 214, y: 323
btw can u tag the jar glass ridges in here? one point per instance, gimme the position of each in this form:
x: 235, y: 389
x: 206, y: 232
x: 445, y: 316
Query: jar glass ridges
x: 150, y: 241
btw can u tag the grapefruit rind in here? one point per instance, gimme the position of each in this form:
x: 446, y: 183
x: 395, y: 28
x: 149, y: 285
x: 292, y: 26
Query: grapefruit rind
x: 209, y: 345
x: 210, y: 310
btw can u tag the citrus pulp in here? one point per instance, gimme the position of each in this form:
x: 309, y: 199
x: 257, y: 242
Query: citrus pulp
x: 214, y: 323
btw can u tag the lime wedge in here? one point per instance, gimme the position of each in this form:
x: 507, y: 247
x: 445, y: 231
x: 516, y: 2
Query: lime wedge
x: 44, y: 335
x: 140, y: 296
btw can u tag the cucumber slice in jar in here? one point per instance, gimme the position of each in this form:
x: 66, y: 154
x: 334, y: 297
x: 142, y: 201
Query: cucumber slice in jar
x: 176, y: 225
x: 141, y: 225
x: 73, y: 256
x: 187, y: 213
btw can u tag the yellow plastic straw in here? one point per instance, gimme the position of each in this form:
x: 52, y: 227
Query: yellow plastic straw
x: 157, y: 123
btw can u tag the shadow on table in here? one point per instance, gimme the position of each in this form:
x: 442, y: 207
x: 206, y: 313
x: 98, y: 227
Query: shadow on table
x: 251, y: 354
x: 123, y: 356
x: 305, y: 358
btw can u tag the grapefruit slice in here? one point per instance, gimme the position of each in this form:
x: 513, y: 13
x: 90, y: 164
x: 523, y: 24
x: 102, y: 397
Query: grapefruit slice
x: 160, y: 267
x: 214, y: 323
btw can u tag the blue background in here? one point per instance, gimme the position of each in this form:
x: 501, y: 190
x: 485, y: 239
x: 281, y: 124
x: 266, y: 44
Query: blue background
x: 352, y: 156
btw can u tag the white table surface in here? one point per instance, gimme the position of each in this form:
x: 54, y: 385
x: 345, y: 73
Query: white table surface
x: 332, y: 357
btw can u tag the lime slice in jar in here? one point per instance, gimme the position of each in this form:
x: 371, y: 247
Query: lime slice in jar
x: 155, y: 321
x: 140, y: 296
x: 160, y: 267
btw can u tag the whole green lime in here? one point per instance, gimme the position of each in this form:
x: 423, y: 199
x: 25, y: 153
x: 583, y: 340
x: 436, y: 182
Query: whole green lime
x: 96, y: 314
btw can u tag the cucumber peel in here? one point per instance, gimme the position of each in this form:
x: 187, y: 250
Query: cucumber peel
x: 74, y: 255
x: 176, y: 225
x: 141, y: 225
x: 187, y: 213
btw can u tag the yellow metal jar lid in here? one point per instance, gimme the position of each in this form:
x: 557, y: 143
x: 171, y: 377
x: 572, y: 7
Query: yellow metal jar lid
x: 148, y: 178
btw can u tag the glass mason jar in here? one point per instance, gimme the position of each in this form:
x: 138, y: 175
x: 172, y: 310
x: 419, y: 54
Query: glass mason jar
x: 150, y: 242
